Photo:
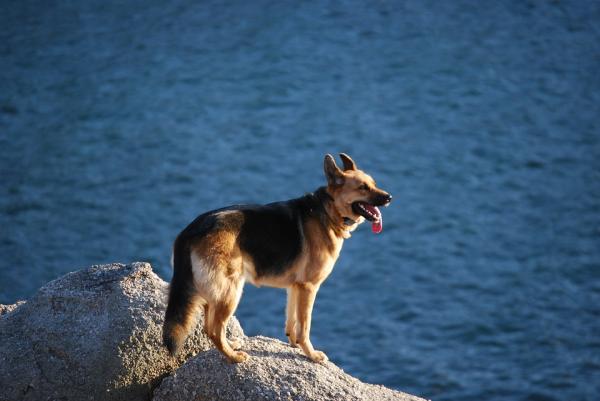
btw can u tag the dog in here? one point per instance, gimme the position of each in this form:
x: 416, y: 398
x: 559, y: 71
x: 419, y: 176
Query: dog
x: 291, y: 244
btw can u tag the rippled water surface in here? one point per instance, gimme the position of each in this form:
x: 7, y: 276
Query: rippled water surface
x: 121, y: 121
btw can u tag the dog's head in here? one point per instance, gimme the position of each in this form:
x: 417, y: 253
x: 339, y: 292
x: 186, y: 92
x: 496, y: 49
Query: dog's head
x: 355, y: 194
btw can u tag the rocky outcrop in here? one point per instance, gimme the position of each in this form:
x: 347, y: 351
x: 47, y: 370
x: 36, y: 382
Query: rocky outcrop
x: 94, y: 334
x: 275, y: 371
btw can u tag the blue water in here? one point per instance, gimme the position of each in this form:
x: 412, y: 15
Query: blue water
x: 121, y: 121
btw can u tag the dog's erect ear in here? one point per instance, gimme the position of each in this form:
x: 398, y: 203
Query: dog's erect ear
x: 334, y: 175
x: 348, y: 162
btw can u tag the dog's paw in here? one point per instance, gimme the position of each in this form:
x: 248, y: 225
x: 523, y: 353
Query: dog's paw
x: 292, y: 342
x: 238, y: 357
x: 318, y: 356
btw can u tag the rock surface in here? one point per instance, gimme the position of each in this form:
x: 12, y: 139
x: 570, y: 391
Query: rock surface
x: 4, y: 309
x: 94, y: 334
x: 274, y: 371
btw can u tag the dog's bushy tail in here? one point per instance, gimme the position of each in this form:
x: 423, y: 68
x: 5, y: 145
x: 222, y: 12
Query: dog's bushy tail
x: 182, y: 305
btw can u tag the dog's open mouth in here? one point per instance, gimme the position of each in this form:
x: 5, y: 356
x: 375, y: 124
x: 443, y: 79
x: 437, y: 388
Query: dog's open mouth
x: 370, y: 213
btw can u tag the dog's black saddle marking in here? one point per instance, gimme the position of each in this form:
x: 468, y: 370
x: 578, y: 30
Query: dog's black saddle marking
x: 273, y: 234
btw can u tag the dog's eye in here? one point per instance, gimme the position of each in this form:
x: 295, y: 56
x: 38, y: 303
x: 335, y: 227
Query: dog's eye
x: 364, y: 187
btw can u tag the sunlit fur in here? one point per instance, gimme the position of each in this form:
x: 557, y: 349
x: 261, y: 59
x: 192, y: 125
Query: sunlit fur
x: 292, y: 245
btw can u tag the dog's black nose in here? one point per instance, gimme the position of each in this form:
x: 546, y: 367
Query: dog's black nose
x: 384, y: 198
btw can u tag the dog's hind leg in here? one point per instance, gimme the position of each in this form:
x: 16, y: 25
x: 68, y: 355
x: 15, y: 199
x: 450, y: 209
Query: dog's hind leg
x: 207, y: 320
x: 220, y: 313
x: 306, y: 299
x: 208, y: 329
x: 290, y: 312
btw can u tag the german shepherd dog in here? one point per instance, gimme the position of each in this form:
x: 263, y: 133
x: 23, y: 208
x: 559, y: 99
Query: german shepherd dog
x: 291, y: 244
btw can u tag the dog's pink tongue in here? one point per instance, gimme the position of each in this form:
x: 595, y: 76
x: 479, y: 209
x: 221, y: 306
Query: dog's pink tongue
x: 376, y: 226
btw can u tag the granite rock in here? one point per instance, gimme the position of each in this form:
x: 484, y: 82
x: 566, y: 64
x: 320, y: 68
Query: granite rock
x: 274, y: 371
x: 94, y: 334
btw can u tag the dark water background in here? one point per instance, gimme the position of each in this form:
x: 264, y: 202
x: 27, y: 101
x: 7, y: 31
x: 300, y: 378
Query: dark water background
x: 121, y: 121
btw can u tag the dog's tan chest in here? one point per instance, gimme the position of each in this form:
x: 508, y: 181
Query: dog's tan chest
x: 323, y: 250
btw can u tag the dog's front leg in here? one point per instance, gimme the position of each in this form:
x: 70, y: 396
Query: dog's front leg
x: 290, y: 312
x: 306, y: 294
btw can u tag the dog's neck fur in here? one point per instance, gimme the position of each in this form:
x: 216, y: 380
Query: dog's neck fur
x: 331, y: 218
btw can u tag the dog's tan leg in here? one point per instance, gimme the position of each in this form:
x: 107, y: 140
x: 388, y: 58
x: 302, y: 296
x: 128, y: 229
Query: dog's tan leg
x: 220, y: 312
x: 290, y: 312
x: 207, y: 320
x: 223, y: 312
x: 305, y: 302
x: 208, y: 323
x: 235, y: 344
